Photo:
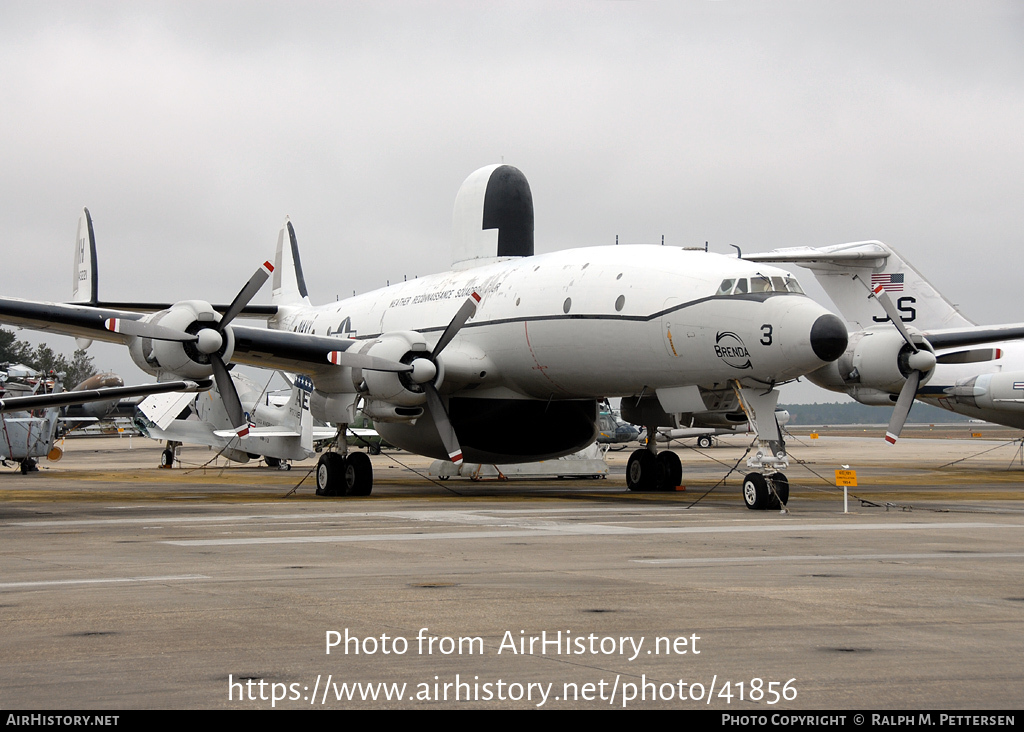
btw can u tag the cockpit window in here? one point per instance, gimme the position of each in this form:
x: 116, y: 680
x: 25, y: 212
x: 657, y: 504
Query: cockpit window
x: 759, y: 283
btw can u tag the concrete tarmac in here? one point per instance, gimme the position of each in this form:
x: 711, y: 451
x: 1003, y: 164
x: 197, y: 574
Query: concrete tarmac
x: 124, y: 586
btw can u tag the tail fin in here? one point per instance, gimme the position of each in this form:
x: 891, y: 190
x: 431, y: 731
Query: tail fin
x: 301, y: 386
x: 84, y: 285
x: 848, y: 271
x: 289, y: 284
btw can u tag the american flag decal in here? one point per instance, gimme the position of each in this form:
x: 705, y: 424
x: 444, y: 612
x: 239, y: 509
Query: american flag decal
x: 888, y: 282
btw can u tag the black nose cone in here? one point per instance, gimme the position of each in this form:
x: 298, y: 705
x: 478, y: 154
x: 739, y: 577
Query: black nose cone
x: 828, y: 337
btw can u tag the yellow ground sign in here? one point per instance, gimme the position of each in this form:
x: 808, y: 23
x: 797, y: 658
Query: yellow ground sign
x: 846, y: 477
x: 814, y: 435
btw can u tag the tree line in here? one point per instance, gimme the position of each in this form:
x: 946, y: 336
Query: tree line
x: 42, y: 358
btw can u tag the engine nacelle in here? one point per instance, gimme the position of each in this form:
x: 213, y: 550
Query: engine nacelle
x: 183, y: 360
x: 404, y: 389
x: 1003, y: 391
x: 334, y: 408
x: 876, y: 361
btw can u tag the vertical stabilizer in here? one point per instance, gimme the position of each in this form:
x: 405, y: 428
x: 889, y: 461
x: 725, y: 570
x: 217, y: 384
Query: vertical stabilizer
x: 847, y: 271
x: 84, y: 285
x: 299, y: 417
x: 493, y: 217
x: 289, y: 284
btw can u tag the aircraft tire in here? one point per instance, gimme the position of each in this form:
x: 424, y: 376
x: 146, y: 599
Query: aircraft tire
x: 780, y: 497
x: 359, y: 475
x: 643, y: 473
x: 373, y: 449
x: 272, y: 462
x: 755, y: 492
x: 330, y: 469
x: 704, y: 442
x: 167, y: 459
x: 671, y: 471
x: 28, y: 465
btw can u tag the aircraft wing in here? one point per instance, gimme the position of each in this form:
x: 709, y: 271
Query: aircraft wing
x: 287, y: 351
x: 162, y: 409
x: 66, y: 398
x: 261, y: 432
x: 184, y: 430
x: 959, y: 337
x: 275, y: 349
x: 81, y: 321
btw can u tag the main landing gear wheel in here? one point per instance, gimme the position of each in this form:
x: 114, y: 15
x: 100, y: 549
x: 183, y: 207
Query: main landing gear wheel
x: 167, y: 459
x: 358, y: 474
x: 329, y: 469
x: 704, y: 442
x: 755, y: 492
x: 781, y: 495
x: 338, y: 475
x: 671, y: 471
x: 643, y: 471
x: 28, y: 465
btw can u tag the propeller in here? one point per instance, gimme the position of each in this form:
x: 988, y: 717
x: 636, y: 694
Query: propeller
x: 425, y: 370
x: 920, y: 360
x: 211, y: 340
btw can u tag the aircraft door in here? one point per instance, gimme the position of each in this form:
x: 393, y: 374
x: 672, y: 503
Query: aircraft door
x: 679, y: 334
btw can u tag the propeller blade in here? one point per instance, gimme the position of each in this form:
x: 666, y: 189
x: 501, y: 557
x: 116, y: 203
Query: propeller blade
x: 467, y: 311
x: 246, y: 294
x: 902, y: 409
x: 889, y: 307
x: 443, y: 425
x: 142, y: 329
x: 229, y: 396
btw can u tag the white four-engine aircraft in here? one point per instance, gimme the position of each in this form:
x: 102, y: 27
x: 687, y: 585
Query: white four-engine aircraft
x: 505, y: 357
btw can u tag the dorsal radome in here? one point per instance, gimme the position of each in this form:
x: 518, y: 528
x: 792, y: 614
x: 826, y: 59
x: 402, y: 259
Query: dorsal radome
x: 493, y: 217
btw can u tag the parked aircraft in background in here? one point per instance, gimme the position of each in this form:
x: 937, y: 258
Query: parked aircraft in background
x: 613, y: 431
x: 679, y: 332
x: 29, y: 421
x: 278, y: 433
x: 714, y: 425
x: 912, y: 342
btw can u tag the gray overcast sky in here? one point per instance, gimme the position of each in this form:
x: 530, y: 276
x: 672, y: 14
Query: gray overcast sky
x: 191, y: 129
